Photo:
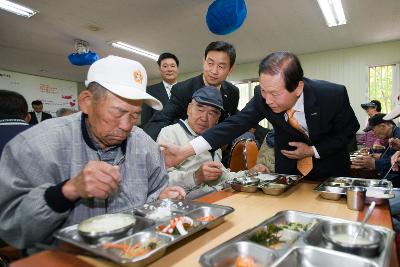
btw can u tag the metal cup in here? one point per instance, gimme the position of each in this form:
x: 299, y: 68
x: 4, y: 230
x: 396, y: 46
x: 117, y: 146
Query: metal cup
x: 356, y: 197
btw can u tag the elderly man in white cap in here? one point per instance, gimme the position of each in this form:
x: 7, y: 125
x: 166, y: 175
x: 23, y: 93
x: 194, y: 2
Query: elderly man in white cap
x: 93, y: 162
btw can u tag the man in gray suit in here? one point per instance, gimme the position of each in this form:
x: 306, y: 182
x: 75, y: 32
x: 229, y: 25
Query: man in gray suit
x: 169, y: 70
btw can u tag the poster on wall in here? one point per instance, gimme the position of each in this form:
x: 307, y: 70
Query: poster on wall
x: 54, y: 94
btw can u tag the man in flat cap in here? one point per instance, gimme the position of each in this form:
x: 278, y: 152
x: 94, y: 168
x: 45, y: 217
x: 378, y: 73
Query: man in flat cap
x: 200, y: 174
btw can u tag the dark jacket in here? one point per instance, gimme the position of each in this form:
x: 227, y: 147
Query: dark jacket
x: 9, y: 129
x: 181, y: 95
x: 158, y: 91
x: 331, y: 125
x: 34, y: 120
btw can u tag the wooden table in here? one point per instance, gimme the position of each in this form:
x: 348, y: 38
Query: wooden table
x: 250, y: 210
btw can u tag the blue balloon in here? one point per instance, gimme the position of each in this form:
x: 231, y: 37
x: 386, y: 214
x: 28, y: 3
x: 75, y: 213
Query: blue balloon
x: 83, y: 58
x: 226, y: 16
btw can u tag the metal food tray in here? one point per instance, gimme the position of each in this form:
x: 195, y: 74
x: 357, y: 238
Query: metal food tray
x: 145, y: 230
x: 342, y: 183
x: 301, y: 249
x: 268, y: 183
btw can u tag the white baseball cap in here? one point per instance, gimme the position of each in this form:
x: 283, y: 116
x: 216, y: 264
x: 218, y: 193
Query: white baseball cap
x: 123, y: 77
x: 393, y: 114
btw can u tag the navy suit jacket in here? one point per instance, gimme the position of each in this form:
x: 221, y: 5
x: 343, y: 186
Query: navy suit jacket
x: 181, y: 95
x: 34, y: 120
x: 158, y: 91
x: 331, y: 125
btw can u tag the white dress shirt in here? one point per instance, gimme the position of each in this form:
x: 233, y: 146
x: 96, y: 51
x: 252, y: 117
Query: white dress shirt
x: 38, y: 116
x: 200, y: 144
x: 168, y: 88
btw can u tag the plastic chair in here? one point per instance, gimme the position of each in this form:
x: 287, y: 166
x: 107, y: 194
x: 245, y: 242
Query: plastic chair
x: 243, y: 155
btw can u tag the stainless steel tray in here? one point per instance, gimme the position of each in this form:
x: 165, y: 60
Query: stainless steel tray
x: 146, y: 231
x: 270, y: 183
x: 377, y: 190
x: 304, y: 248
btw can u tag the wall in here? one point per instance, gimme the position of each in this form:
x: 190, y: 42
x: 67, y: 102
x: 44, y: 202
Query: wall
x: 345, y: 66
x: 54, y: 93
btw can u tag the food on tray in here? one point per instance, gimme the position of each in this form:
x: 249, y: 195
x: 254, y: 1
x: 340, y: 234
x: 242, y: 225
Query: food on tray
x: 106, y: 223
x: 159, y: 213
x: 242, y: 261
x: 349, y: 239
x: 135, y: 250
x: 276, y: 235
x: 177, y: 226
x: 208, y: 218
x: 295, y: 226
x: 267, y: 236
x: 287, y: 180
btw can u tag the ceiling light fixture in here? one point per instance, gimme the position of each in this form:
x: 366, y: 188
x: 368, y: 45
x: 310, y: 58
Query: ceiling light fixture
x: 135, y: 50
x: 333, y: 12
x: 17, y: 9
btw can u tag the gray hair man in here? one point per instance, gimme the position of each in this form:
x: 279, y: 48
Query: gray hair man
x: 200, y: 174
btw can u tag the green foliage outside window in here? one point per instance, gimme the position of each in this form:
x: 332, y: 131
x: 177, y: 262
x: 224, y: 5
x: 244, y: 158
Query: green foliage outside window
x: 380, y: 85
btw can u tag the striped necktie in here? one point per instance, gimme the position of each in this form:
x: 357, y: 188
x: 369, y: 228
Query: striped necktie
x: 304, y: 165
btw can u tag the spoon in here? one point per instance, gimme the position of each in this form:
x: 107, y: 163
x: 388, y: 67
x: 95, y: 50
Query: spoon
x: 369, y: 212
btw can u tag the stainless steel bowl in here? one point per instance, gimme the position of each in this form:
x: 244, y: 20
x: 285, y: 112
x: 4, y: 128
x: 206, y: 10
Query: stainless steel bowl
x: 339, y: 236
x: 106, y: 227
x: 333, y: 192
x: 274, y: 189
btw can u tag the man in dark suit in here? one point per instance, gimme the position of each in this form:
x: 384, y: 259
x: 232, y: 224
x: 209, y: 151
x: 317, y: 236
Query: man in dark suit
x: 38, y: 115
x: 219, y: 58
x: 326, y: 123
x: 169, y: 70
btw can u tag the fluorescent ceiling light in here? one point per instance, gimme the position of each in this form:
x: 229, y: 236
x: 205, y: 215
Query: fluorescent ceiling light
x: 333, y: 12
x: 135, y: 50
x: 17, y: 9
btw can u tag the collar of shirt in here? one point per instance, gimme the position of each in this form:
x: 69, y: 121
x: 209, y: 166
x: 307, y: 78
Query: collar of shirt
x: 299, y: 115
x: 168, y: 88
x: 206, y: 84
x: 13, y: 122
x: 188, y: 129
x: 38, y: 116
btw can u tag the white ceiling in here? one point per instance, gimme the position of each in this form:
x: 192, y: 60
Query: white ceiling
x: 40, y: 45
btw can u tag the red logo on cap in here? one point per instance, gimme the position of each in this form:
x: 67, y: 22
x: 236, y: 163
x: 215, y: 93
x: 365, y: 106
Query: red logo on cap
x: 137, y: 75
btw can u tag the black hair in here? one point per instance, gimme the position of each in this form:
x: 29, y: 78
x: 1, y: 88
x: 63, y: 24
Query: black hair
x: 167, y: 55
x: 377, y: 104
x: 37, y: 102
x: 12, y: 105
x: 286, y: 63
x: 222, y: 46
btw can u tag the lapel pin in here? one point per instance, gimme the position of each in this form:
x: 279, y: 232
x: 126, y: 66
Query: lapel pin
x: 314, y: 114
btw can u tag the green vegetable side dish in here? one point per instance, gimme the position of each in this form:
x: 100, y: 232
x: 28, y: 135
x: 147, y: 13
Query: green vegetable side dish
x: 294, y: 226
x: 271, y: 234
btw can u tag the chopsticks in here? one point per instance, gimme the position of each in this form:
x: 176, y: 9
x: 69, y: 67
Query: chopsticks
x: 117, y: 163
x: 384, y: 177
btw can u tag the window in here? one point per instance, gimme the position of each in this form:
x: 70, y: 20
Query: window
x: 380, y: 80
x: 246, y: 90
